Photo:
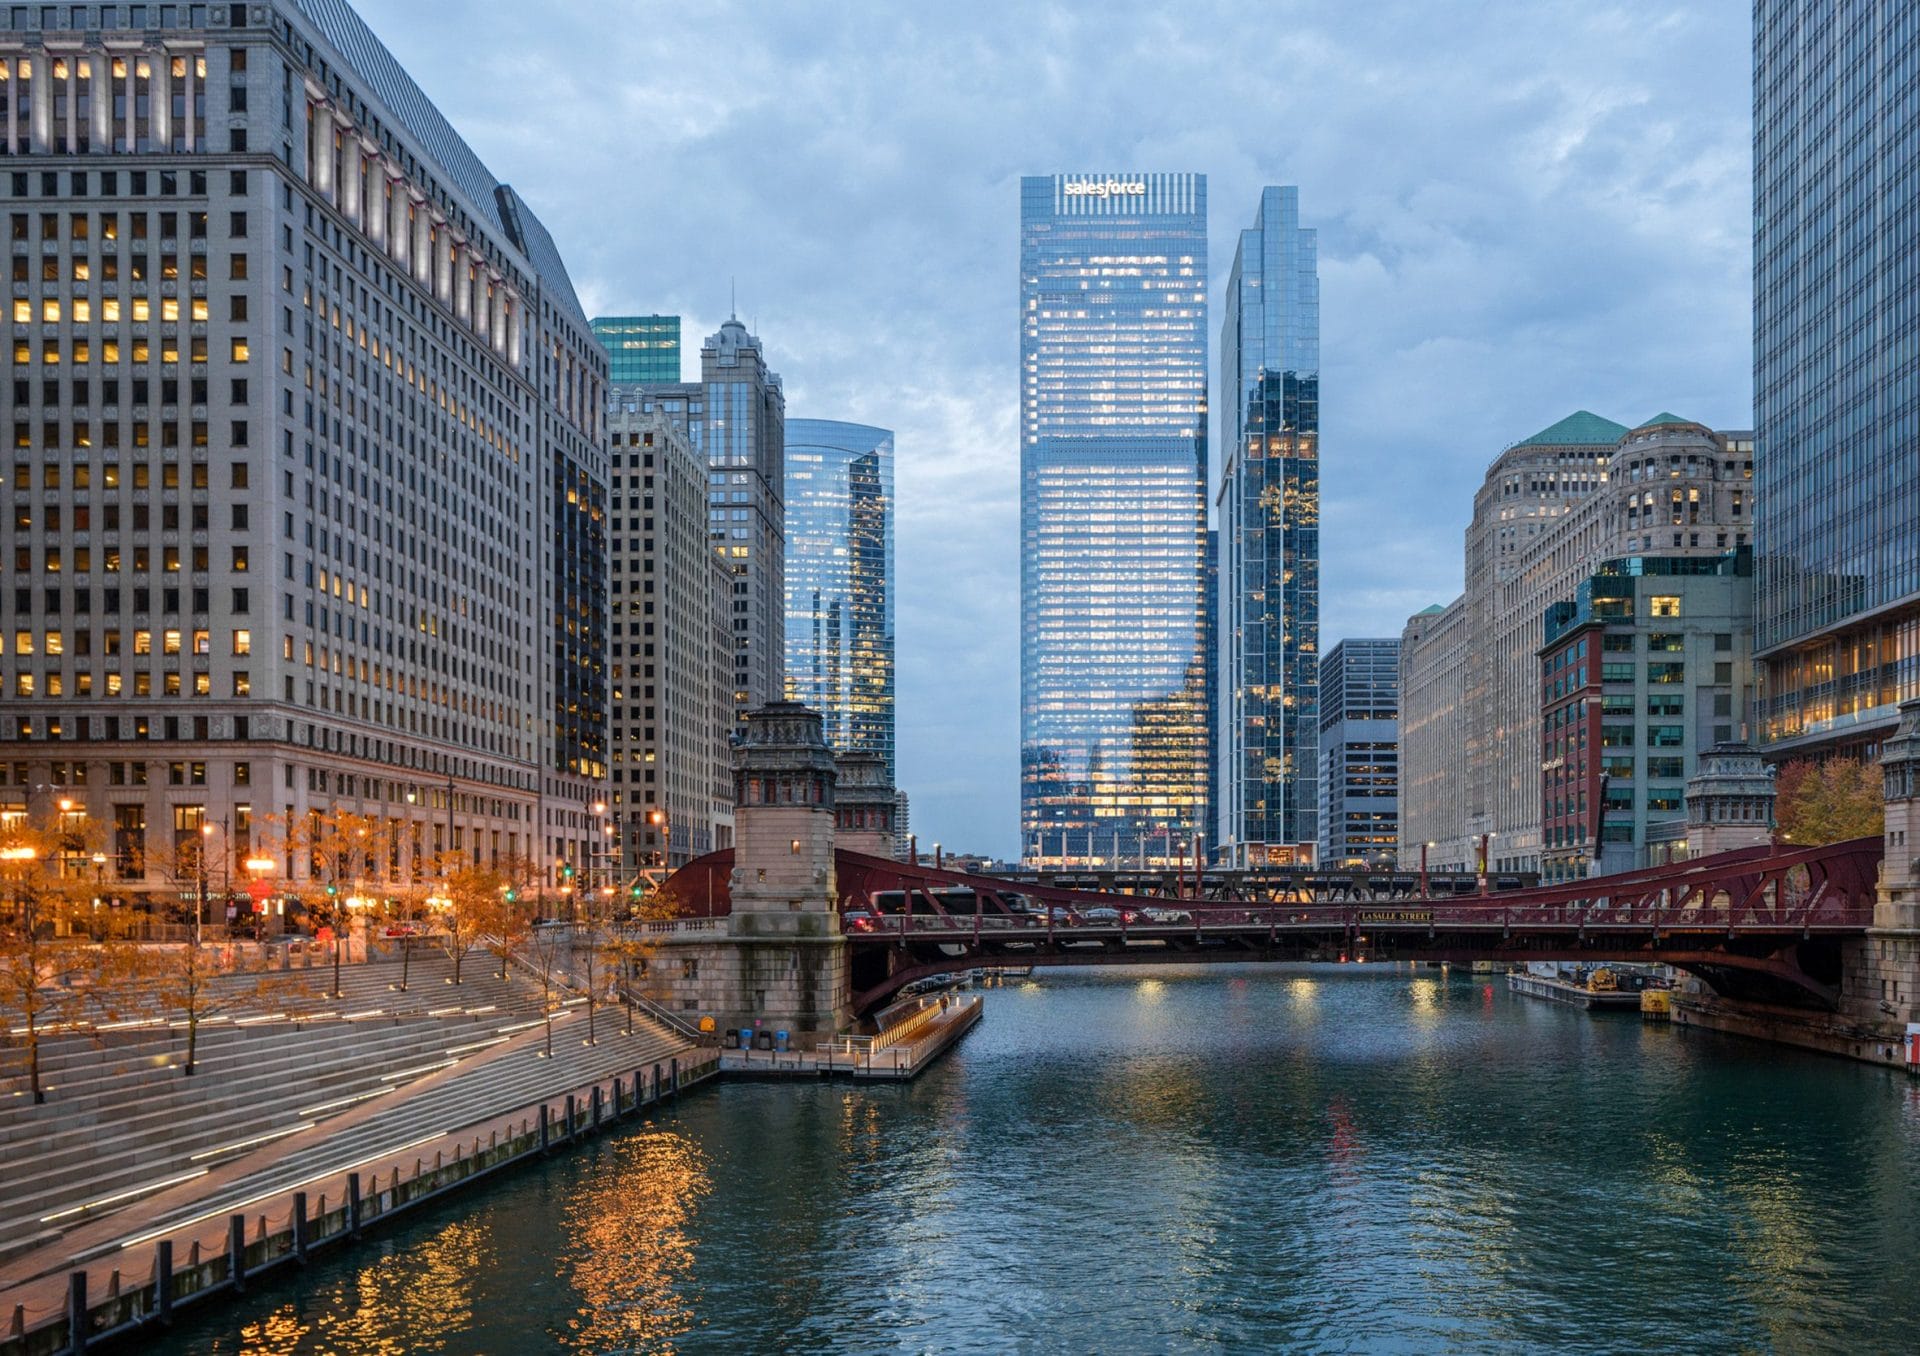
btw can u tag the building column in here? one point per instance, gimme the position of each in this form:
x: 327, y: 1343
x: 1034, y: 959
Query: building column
x: 377, y: 208
x: 187, y: 86
x: 353, y: 173
x: 421, y: 251
x: 100, y: 86
x: 442, y: 259
x: 320, y: 172
x: 42, y: 97
x: 160, y: 98
x: 460, y: 270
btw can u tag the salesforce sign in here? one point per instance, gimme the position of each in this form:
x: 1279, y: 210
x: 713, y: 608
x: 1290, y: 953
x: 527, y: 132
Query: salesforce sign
x: 1105, y: 188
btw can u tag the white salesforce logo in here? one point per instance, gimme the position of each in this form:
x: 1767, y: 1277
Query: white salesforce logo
x: 1105, y: 188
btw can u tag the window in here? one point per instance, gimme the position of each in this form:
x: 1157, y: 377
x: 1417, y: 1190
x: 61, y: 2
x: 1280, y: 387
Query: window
x: 1663, y: 605
x: 1666, y: 673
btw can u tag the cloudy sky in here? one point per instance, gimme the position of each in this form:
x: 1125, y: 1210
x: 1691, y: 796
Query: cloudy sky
x: 1525, y: 208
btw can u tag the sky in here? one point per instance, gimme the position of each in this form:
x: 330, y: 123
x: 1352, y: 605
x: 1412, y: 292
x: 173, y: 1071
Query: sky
x: 1525, y: 208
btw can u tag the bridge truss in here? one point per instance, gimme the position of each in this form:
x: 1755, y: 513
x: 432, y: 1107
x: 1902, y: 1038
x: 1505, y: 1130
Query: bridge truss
x: 1764, y: 922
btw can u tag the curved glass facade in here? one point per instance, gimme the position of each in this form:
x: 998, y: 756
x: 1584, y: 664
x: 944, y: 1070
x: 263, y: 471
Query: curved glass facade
x: 839, y: 584
x: 1113, y: 423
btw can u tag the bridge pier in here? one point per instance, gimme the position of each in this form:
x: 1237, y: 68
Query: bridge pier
x: 1879, y: 979
x: 778, y: 962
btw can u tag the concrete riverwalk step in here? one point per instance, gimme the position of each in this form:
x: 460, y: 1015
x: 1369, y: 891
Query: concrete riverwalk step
x: 123, y: 1120
x: 433, y: 1114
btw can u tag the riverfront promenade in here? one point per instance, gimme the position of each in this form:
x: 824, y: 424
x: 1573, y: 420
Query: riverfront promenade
x: 444, y: 1088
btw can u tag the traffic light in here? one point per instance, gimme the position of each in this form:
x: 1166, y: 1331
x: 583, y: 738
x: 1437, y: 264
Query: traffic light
x: 566, y: 872
x: 634, y: 890
x: 512, y: 894
x: 332, y: 890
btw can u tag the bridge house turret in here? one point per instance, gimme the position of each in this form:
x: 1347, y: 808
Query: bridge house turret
x: 1900, y: 867
x: 865, y: 804
x: 1729, y: 800
x: 784, y: 967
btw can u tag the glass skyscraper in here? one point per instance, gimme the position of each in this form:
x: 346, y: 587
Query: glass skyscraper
x: 1836, y: 357
x: 1269, y: 527
x: 641, y: 349
x: 839, y: 587
x: 1113, y: 436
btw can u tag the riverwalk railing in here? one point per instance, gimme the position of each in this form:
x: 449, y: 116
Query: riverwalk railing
x: 104, y: 1302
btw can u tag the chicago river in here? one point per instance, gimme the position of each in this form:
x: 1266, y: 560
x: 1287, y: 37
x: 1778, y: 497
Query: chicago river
x: 1205, y: 1159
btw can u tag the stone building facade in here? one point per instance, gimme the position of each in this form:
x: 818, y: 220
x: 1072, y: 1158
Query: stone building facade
x: 1553, y: 507
x: 308, y: 449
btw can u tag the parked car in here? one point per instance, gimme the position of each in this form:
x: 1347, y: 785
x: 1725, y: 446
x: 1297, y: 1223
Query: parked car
x: 1100, y: 913
x: 1160, y: 915
x: 859, y: 920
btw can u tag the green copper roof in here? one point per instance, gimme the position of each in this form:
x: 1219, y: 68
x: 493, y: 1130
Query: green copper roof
x: 1430, y: 610
x: 1581, y: 428
x: 1664, y: 418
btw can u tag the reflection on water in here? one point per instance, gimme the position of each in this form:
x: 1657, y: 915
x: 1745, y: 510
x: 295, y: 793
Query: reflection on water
x: 630, y: 1263
x: 1314, y: 1159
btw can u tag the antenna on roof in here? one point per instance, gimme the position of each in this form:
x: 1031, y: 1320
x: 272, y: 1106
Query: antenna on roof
x: 733, y: 300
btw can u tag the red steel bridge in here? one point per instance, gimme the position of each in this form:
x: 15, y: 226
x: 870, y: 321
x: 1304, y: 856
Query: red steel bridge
x: 1765, y: 923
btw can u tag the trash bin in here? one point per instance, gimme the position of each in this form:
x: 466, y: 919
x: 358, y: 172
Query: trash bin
x: 780, y: 1041
x: 733, y: 1039
x: 763, y: 1041
x: 746, y: 1038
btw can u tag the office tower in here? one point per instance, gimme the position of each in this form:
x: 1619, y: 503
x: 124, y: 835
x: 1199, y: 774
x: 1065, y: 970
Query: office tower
x: 308, y: 452
x: 1269, y: 527
x: 1643, y: 669
x: 642, y: 350
x: 1553, y: 510
x: 735, y: 416
x: 1836, y: 354
x: 1113, y: 427
x: 672, y: 665
x: 1360, y: 752
x: 839, y: 579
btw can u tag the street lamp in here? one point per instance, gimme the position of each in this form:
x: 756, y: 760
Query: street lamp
x: 665, y: 821
x: 1424, y: 849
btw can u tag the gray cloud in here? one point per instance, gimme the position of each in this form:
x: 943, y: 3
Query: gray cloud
x: 1525, y: 208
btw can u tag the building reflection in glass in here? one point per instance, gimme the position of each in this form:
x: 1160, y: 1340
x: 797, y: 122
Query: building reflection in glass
x: 839, y: 580
x: 1114, y: 613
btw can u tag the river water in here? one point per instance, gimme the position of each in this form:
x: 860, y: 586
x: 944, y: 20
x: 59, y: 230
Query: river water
x: 1205, y: 1159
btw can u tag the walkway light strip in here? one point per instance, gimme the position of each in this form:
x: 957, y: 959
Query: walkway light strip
x: 249, y: 1143
x: 370, y: 1012
x: 128, y: 1194
x: 344, y: 1101
x: 442, y: 1012
x: 476, y: 1045
x: 264, y: 1017
x: 424, y: 1068
x: 234, y: 1207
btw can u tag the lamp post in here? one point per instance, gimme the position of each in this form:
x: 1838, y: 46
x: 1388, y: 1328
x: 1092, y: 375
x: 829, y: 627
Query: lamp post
x: 664, y: 819
x: 1485, y: 839
x: 1424, y: 891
